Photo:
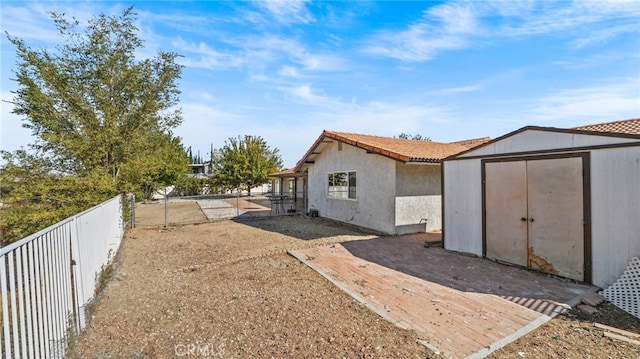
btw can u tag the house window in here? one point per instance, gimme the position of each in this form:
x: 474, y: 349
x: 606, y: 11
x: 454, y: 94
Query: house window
x: 341, y: 185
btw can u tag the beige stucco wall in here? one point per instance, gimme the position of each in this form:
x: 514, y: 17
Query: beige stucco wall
x: 374, y: 206
x: 417, y: 179
x: 392, y: 197
x: 418, y: 201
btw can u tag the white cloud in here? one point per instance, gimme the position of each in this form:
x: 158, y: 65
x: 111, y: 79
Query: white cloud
x: 31, y: 20
x: 459, y: 25
x: 279, y: 49
x: 461, y: 89
x: 287, y: 11
x: 202, y: 55
x: 597, y: 103
x: 259, y: 53
x: 557, y: 17
x: 289, y: 71
x: 606, y: 33
x: 205, y: 96
x: 293, y: 130
x: 12, y: 135
x: 305, y: 94
x: 205, y: 124
x: 443, y: 27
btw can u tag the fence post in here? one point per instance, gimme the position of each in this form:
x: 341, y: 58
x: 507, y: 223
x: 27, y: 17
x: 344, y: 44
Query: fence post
x: 133, y: 210
x: 165, y: 206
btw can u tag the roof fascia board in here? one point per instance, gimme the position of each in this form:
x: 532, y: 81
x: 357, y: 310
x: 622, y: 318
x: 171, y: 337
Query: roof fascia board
x: 547, y: 151
x: 547, y: 129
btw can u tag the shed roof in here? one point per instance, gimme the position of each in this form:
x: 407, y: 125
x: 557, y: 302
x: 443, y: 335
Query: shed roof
x: 629, y: 129
x: 399, y: 149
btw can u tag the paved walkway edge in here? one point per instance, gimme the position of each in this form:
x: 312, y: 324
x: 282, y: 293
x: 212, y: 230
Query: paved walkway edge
x: 511, y: 337
x: 479, y: 354
x: 529, y: 327
x: 360, y: 299
x: 355, y: 295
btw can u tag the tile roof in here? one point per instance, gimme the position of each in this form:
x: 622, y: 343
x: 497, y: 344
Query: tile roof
x: 474, y: 142
x: 631, y: 126
x: 286, y: 173
x: 396, y: 148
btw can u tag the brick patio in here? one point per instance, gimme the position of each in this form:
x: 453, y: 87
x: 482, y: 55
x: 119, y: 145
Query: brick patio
x: 461, y: 306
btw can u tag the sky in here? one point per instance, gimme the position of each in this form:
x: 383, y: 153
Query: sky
x: 287, y: 70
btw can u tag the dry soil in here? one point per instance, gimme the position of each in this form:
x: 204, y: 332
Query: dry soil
x: 228, y: 289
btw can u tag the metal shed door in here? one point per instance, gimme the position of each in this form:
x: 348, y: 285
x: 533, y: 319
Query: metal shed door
x: 556, y: 223
x: 506, y: 211
x: 534, y: 214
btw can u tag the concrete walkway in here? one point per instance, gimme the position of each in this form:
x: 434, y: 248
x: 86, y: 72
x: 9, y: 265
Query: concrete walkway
x: 461, y: 306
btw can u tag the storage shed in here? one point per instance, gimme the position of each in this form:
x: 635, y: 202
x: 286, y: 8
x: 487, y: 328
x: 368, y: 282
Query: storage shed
x: 560, y: 201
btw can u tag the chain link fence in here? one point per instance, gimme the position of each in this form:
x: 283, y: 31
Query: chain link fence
x: 181, y: 210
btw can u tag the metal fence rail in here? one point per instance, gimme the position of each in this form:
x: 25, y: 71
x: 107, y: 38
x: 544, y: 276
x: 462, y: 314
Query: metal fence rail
x: 48, y: 278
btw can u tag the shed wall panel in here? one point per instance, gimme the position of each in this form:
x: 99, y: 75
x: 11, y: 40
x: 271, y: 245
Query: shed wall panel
x: 463, y: 206
x: 534, y: 140
x: 615, y: 203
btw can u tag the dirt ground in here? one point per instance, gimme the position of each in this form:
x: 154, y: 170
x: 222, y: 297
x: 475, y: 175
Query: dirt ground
x: 228, y: 289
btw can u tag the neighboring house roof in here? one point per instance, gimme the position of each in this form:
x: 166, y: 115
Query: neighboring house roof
x: 286, y: 173
x: 399, y: 149
x: 474, y: 142
x: 631, y: 126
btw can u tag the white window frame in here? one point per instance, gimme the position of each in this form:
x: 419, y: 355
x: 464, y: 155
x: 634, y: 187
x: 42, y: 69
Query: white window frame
x: 334, y: 192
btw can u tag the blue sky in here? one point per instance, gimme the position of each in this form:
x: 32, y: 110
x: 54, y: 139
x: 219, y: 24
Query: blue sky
x: 286, y: 70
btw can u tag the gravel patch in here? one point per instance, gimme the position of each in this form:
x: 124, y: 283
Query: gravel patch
x: 214, y: 214
x: 213, y: 203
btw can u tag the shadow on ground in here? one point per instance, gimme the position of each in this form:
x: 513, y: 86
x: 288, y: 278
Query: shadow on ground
x: 542, y: 293
x: 302, y: 227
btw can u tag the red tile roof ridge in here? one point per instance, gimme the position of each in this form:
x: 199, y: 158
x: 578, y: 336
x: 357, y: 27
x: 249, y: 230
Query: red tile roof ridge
x: 347, y: 134
x: 473, y: 142
x: 401, y: 149
x: 630, y: 126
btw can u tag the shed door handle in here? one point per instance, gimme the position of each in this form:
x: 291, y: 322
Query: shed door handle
x: 523, y: 219
x: 530, y: 219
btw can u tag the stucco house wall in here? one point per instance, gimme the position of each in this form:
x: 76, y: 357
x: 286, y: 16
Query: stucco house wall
x: 418, y: 198
x: 398, y: 180
x: 375, y: 175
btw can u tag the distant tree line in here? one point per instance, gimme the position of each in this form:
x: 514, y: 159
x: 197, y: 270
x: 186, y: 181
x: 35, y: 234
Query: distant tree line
x: 416, y: 137
x: 241, y: 164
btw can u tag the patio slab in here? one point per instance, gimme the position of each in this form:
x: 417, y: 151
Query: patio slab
x: 461, y: 306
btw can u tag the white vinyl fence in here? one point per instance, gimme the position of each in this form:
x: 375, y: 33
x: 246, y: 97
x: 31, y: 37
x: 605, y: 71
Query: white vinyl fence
x: 48, y: 279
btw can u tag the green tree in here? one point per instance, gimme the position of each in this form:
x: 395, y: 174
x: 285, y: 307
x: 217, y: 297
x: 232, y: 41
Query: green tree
x: 416, y: 137
x: 246, y: 162
x: 34, y: 197
x: 99, y: 115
